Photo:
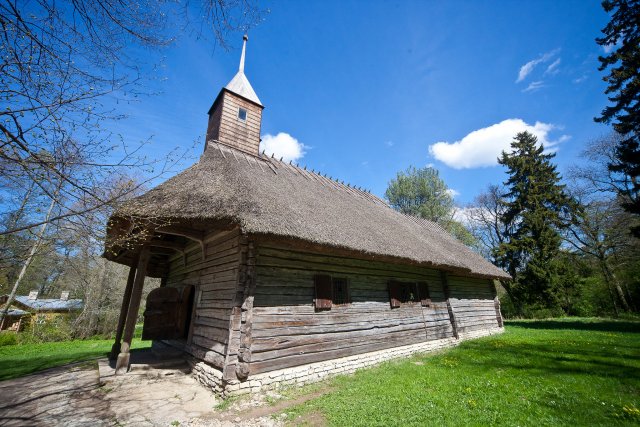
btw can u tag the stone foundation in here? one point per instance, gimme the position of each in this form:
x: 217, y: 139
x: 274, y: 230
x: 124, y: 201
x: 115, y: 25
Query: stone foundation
x: 306, y: 374
x: 207, y: 375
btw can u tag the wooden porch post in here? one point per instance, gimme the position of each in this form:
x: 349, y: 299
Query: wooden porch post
x: 126, y: 300
x: 122, y: 364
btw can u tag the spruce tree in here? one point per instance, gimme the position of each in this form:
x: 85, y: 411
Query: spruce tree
x: 622, y: 39
x: 536, y: 210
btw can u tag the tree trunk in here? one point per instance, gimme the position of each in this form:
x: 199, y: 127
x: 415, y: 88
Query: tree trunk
x: 27, y: 261
x: 613, y: 281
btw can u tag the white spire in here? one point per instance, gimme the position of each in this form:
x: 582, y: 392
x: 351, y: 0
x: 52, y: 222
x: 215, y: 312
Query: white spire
x: 244, y: 47
x: 239, y: 84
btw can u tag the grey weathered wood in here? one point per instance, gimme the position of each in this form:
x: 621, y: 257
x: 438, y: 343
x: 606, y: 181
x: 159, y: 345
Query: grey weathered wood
x: 447, y: 293
x: 498, y: 312
x: 122, y: 363
x: 124, y: 308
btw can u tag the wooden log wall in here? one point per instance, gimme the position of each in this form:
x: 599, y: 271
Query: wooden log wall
x: 287, y: 331
x: 240, y: 329
x: 472, y: 301
x: 215, y: 277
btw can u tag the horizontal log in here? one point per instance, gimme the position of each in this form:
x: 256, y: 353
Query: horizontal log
x: 413, y: 336
x: 209, y: 344
x: 345, y: 332
x: 303, y: 359
x: 274, y: 342
x: 211, y: 357
x: 279, y: 257
x: 222, y: 325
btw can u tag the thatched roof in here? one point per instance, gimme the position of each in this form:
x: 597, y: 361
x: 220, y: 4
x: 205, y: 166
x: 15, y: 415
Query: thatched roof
x: 265, y: 196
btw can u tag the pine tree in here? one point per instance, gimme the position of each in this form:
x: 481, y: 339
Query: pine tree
x: 622, y: 36
x: 536, y: 210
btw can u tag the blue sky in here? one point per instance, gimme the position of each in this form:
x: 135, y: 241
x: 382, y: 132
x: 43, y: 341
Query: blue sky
x: 366, y: 89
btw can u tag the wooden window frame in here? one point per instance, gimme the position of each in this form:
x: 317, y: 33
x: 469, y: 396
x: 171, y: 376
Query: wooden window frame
x: 325, y: 292
x: 246, y: 114
x: 399, y: 292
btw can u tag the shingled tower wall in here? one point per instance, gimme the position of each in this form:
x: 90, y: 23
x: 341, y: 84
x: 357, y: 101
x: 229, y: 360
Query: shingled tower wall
x: 236, y: 115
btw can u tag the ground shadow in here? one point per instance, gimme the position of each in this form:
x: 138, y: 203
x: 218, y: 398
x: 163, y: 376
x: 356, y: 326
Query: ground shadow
x: 581, y: 325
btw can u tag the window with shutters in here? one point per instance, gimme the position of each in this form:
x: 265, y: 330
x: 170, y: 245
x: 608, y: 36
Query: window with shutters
x: 408, y: 293
x: 330, y: 291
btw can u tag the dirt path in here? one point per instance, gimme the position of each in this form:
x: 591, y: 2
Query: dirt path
x: 64, y: 395
x: 258, y: 407
x: 71, y: 395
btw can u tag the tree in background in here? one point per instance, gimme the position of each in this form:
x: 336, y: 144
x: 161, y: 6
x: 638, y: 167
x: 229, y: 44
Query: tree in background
x: 536, y: 210
x: 622, y: 36
x: 483, y: 219
x: 601, y: 233
x: 422, y: 193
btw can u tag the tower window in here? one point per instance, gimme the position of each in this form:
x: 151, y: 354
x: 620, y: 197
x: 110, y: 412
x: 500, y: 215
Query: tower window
x: 242, y: 114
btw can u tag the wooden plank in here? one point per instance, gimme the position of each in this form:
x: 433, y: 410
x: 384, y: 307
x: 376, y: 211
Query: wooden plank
x: 279, y: 341
x: 412, y: 336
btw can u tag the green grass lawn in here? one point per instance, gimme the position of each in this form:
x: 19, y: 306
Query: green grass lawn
x: 22, y: 359
x: 574, y: 372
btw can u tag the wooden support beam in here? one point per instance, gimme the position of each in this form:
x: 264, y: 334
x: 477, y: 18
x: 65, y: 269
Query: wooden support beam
x: 126, y: 299
x: 496, y: 302
x: 452, y: 314
x: 197, y: 236
x: 122, y: 364
x: 167, y: 245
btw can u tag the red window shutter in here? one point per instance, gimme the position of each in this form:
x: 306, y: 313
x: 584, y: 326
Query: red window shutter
x: 394, y: 294
x: 423, y: 291
x: 324, y: 291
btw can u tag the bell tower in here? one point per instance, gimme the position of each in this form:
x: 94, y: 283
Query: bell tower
x: 235, y: 117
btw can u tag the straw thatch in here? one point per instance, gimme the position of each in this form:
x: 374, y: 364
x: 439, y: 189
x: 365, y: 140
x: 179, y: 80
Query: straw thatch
x: 265, y: 196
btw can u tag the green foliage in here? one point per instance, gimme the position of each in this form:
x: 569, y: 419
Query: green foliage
x: 460, y: 232
x: 422, y: 193
x: 571, y: 372
x: 22, y: 359
x: 536, y: 210
x: 8, y: 338
x: 48, y: 328
x: 622, y: 35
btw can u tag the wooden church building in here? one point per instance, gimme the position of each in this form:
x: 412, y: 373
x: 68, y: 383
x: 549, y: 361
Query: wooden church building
x: 271, y: 273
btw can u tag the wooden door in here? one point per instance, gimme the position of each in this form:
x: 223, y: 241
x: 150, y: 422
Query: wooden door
x: 168, y: 313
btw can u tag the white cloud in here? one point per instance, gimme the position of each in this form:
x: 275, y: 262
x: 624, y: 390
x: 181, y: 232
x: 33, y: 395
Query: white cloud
x: 465, y: 214
x: 527, y: 68
x: 388, y: 143
x: 482, y: 147
x: 580, y: 79
x: 452, y: 192
x: 534, y: 86
x: 283, y: 145
x: 552, y: 69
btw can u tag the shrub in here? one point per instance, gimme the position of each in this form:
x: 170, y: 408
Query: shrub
x: 48, y: 328
x: 8, y: 338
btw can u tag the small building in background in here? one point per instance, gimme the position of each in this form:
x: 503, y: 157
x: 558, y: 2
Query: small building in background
x: 60, y: 305
x: 25, y: 308
x: 15, y: 319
